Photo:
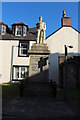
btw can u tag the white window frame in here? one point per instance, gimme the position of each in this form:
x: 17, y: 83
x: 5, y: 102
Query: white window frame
x: 0, y: 29
x: 3, y: 29
x: 17, y: 30
x: 22, y: 49
x: 14, y: 30
x: 25, y: 72
x: 24, y: 30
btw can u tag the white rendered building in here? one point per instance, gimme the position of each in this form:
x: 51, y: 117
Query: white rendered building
x: 14, y: 45
x: 66, y: 35
x: 17, y: 40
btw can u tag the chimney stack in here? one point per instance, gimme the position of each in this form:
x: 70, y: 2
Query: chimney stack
x: 66, y: 21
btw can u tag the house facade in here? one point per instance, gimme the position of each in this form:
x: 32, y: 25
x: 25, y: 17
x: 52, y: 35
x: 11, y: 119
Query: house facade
x: 66, y: 35
x: 14, y: 45
x: 17, y: 40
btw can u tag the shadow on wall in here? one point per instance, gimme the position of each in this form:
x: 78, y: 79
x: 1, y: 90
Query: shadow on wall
x: 39, y: 71
x: 53, y: 67
x: 40, y: 77
x: 11, y: 63
x: 71, y: 70
x: 55, y: 70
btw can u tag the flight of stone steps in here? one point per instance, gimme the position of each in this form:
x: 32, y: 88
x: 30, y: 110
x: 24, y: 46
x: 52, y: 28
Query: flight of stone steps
x: 38, y: 89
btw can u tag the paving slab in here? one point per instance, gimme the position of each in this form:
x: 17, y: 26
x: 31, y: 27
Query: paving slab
x: 36, y: 105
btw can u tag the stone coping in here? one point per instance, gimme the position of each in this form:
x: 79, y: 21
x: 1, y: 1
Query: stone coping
x: 38, y: 52
x: 39, y: 49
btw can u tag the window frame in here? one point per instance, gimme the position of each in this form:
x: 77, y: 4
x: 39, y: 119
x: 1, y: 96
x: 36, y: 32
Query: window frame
x: 17, y: 27
x: 24, y: 30
x: 19, y: 48
x: 20, y: 72
x: 0, y: 29
x: 3, y: 26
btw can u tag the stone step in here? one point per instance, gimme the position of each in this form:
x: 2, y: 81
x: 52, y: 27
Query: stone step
x: 38, y: 89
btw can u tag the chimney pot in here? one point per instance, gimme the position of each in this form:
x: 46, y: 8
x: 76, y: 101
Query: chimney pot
x: 64, y: 14
x: 66, y: 21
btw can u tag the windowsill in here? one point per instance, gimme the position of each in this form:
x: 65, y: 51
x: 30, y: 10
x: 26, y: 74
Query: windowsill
x: 3, y: 33
x: 18, y: 35
x: 23, y: 55
x: 18, y: 79
x: 24, y: 35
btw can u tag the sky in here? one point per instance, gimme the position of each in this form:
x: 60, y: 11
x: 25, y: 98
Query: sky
x: 29, y: 12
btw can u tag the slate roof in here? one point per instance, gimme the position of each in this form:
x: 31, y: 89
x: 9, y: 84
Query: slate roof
x: 19, y: 23
x: 3, y: 23
x: 31, y: 35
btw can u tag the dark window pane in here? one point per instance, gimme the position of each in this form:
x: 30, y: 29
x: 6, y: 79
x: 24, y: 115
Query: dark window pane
x: 24, y: 49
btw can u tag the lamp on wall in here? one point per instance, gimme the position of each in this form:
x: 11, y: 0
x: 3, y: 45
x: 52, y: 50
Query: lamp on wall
x: 65, y: 82
x: 66, y: 46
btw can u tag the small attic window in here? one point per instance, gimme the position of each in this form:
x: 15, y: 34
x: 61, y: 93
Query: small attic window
x: 3, y: 29
x: 18, y: 30
x: 0, y: 29
x: 24, y: 31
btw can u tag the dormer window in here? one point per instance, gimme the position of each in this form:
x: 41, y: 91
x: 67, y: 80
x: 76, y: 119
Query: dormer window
x: 24, y: 31
x: 0, y: 29
x: 3, y: 29
x: 19, y: 29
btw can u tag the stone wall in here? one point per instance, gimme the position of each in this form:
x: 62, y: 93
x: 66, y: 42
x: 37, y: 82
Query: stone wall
x: 70, y: 70
x: 38, y: 69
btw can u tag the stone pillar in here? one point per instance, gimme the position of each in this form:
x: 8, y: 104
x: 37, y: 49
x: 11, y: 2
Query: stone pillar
x: 38, y: 69
x: 39, y: 53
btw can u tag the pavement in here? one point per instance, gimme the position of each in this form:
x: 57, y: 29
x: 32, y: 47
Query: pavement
x: 38, y: 103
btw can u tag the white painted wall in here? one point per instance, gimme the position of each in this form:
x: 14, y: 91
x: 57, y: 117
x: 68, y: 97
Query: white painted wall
x: 9, y: 58
x: 56, y: 42
x: 0, y: 63
x: 6, y: 59
x: 79, y: 43
x: 64, y: 36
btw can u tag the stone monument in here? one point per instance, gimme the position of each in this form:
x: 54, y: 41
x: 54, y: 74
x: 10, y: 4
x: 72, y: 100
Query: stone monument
x: 41, y: 27
x: 39, y: 53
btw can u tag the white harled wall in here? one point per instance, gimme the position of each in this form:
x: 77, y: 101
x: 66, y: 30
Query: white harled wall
x: 79, y: 43
x: 64, y: 36
x: 9, y: 57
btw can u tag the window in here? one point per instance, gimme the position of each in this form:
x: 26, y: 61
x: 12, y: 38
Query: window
x: 3, y: 29
x: 0, y: 29
x: 24, y: 31
x: 20, y: 72
x: 17, y: 72
x: 23, y: 48
x: 19, y: 30
x: 13, y: 30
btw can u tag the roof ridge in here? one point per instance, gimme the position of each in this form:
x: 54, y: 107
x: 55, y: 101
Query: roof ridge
x: 60, y: 28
